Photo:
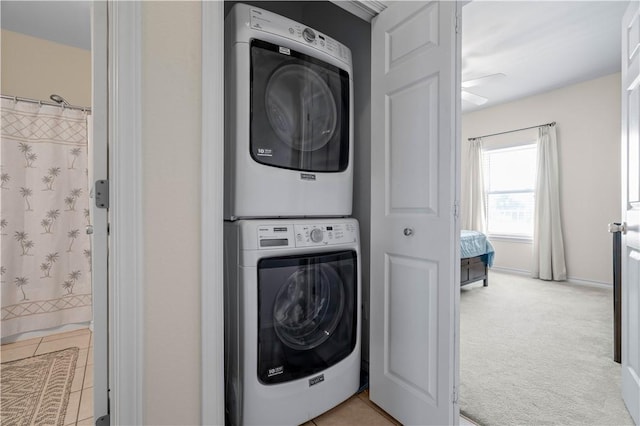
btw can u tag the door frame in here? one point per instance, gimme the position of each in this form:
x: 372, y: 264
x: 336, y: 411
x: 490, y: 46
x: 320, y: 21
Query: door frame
x: 126, y: 256
x: 126, y: 262
x: 211, y: 215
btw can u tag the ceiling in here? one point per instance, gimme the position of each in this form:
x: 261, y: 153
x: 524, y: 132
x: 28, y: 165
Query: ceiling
x: 64, y: 22
x: 538, y: 45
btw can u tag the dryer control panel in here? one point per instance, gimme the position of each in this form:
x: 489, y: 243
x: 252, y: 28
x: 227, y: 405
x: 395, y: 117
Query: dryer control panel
x: 306, y: 235
x: 266, y: 21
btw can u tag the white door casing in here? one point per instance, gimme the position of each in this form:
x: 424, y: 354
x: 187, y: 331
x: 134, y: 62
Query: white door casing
x: 99, y: 247
x: 126, y: 255
x: 631, y: 209
x: 414, y: 102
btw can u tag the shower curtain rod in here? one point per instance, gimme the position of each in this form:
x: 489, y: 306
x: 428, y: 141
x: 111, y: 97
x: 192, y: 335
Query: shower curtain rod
x: 553, y: 123
x: 39, y: 102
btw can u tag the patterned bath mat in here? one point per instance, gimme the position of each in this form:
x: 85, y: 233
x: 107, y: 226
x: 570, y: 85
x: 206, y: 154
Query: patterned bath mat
x: 36, y: 390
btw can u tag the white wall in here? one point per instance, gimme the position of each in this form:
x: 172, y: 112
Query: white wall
x: 36, y: 68
x: 171, y: 96
x: 588, y: 130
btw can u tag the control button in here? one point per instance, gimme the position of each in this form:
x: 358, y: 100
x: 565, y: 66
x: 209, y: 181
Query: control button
x: 316, y: 235
x: 309, y: 35
x: 291, y: 30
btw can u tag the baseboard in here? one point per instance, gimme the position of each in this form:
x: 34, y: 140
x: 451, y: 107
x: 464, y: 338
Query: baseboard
x: 43, y: 333
x: 510, y: 270
x: 572, y: 280
x: 589, y: 283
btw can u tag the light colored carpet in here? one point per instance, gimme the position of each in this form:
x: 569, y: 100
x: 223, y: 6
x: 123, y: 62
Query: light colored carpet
x: 35, y: 390
x: 538, y: 353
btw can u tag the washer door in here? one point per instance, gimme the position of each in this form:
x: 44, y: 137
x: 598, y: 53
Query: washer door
x: 308, y: 306
x: 307, y: 315
x: 299, y: 110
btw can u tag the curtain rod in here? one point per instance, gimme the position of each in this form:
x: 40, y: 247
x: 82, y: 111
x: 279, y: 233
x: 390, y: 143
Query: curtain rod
x: 39, y: 102
x: 553, y: 123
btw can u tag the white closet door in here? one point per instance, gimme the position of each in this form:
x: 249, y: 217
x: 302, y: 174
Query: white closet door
x: 99, y: 245
x: 631, y: 209
x: 414, y: 98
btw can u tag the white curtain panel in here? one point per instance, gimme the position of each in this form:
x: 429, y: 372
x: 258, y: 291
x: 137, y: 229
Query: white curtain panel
x: 44, y: 209
x: 475, y: 219
x: 548, y: 246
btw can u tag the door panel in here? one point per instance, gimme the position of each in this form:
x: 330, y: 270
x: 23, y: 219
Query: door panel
x: 413, y: 250
x: 411, y: 289
x: 413, y: 147
x: 631, y: 209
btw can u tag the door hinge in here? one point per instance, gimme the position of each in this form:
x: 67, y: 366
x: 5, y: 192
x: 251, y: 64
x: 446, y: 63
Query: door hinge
x: 457, y: 23
x: 102, y: 194
x: 456, y: 209
x: 103, y: 421
x: 106, y: 419
x: 454, y: 396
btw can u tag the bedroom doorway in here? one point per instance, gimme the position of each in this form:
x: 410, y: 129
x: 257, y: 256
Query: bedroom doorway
x: 502, y: 324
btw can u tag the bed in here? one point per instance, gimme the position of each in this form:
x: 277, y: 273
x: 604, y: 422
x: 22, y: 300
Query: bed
x: 476, y: 256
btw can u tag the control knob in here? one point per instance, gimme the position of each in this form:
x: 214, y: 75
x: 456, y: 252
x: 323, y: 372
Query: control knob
x: 316, y: 235
x: 309, y: 35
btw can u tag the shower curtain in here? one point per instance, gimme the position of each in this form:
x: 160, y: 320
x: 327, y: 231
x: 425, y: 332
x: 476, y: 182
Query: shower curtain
x: 45, y: 263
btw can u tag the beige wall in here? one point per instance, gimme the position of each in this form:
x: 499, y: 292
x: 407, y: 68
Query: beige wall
x: 171, y: 95
x: 36, y: 68
x: 588, y: 130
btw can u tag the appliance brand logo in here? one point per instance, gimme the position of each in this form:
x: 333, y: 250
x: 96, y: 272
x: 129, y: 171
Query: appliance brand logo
x: 307, y: 176
x: 265, y: 152
x: 316, y: 380
x: 285, y: 51
x: 275, y: 371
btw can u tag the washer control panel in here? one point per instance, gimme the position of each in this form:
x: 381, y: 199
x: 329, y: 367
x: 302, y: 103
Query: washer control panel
x: 322, y: 235
x: 275, y: 236
x: 307, y: 235
x: 266, y: 21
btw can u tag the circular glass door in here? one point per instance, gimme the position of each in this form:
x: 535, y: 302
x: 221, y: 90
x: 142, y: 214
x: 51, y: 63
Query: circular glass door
x: 300, y: 107
x: 299, y: 111
x: 308, y: 307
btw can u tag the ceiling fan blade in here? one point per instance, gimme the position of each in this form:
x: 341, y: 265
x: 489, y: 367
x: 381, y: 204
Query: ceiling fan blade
x: 482, y: 80
x: 474, y: 99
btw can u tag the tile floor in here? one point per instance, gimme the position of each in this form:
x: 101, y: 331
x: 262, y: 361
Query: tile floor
x: 359, y: 410
x: 80, y: 408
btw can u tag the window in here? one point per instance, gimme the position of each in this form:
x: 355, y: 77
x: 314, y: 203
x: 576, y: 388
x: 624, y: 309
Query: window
x: 510, y: 177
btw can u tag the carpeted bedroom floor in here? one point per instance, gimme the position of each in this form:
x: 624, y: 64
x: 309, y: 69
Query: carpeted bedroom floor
x: 538, y: 353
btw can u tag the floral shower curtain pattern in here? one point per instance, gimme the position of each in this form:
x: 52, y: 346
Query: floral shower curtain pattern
x: 45, y: 263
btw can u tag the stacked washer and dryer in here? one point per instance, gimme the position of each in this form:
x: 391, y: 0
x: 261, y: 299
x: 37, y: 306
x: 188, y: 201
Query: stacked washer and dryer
x: 292, y: 255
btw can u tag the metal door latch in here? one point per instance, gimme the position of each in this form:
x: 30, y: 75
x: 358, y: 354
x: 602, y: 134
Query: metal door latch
x: 618, y: 227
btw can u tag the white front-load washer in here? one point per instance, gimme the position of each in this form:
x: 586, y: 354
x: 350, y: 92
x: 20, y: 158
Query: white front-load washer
x: 288, y: 119
x: 292, y: 318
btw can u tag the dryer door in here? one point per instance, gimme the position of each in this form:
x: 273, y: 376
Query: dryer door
x: 299, y: 110
x: 307, y: 315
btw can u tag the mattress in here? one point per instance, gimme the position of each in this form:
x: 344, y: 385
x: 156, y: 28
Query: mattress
x: 474, y: 243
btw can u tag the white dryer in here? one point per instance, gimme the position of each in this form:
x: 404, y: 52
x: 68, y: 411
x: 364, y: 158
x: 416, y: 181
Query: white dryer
x: 292, y: 320
x: 289, y: 119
